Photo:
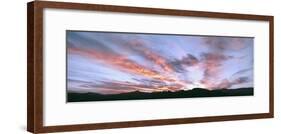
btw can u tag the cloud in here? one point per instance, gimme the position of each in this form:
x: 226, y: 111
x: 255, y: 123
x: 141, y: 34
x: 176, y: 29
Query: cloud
x: 85, y: 41
x: 116, y: 87
x: 138, y: 46
x: 227, y: 84
x: 187, y: 61
x: 225, y: 43
x: 106, y: 87
x: 212, y: 62
x: 118, y: 61
x: 243, y: 71
x: 215, y: 57
x: 146, y: 81
x: 211, y: 65
x: 122, y: 63
x: 224, y: 84
x: 241, y: 80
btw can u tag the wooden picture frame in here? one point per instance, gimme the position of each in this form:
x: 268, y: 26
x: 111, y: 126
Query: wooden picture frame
x: 35, y: 64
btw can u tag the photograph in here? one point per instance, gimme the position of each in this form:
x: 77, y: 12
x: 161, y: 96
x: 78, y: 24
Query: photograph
x: 103, y: 66
x: 159, y: 66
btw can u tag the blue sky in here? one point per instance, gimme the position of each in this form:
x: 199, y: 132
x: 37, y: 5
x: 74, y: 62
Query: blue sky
x: 112, y: 63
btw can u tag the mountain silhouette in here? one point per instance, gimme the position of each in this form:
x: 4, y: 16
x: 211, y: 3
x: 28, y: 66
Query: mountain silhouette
x: 137, y: 95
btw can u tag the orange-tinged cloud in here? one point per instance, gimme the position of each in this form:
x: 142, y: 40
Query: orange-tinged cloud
x: 138, y: 46
x: 116, y: 87
x: 125, y: 64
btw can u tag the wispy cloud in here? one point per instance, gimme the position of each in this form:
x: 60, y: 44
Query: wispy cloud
x: 139, y: 47
x: 243, y: 71
x: 227, y: 83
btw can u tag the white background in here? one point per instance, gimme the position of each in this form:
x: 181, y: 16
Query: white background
x: 57, y: 112
x: 13, y: 66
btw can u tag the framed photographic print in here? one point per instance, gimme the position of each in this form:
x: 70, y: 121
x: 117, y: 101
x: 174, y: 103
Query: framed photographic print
x: 101, y: 66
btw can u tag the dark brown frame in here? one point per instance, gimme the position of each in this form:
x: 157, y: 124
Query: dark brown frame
x: 35, y: 66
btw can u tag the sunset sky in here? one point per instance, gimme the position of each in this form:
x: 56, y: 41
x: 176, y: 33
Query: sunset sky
x: 113, y: 63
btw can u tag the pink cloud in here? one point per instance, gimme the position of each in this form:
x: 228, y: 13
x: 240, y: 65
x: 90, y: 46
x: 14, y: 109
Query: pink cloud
x: 212, y: 63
